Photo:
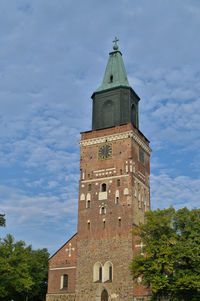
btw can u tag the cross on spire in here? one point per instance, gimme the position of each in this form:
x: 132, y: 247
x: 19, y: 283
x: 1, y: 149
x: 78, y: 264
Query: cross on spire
x: 141, y: 245
x: 115, y: 47
x: 70, y: 249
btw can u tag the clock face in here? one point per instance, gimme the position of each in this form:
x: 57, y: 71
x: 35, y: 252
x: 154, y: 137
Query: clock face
x: 105, y: 151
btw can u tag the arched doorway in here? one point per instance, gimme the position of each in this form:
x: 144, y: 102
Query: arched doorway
x: 104, y: 295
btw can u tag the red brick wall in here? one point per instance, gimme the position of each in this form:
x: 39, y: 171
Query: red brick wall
x: 111, y: 243
x: 61, y: 263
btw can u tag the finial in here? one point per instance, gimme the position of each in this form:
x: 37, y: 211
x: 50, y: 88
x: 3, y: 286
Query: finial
x: 115, y: 47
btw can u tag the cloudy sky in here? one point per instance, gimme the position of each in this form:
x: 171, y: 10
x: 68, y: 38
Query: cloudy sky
x: 53, y: 56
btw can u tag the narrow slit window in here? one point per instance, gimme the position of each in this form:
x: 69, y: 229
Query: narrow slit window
x: 110, y: 273
x: 89, y: 187
x: 119, y: 222
x: 111, y: 78
x: 117, y: 200
x: 88, y: 225
x: 103, y: 187
x: 88, y: 204
x: 118, y: 183
x: 65, y: 281
x: 104, y: 224
x: 100, y: 274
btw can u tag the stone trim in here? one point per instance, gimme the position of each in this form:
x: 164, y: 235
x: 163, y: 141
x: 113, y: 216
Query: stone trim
x: 102, y: 179
x: 65, y: 268
x: 103, y: 170
x: 61, y: 294
x: 114, y: 137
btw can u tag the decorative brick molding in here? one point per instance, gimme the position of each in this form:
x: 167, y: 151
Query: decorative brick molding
x: 114, y: 137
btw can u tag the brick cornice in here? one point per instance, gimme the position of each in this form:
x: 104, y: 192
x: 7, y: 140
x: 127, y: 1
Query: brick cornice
x: 114, y: 137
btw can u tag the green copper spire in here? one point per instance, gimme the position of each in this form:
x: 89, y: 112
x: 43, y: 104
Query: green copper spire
x: 115, y: 74
x: 115, y: 102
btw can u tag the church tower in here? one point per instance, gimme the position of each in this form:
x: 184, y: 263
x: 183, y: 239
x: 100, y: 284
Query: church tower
x: 113, y: 196
x: 113, y: 190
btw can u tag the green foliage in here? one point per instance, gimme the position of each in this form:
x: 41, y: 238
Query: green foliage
x: 2, y: 220
x: 38, y: 264
x: 171, y: 265
x: 23, y: 271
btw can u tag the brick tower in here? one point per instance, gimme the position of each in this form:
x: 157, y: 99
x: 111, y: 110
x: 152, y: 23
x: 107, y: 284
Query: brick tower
x: 113, y: 190
x: 113, y: 197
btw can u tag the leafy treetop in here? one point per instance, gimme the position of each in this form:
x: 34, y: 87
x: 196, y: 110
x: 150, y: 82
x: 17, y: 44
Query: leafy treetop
x: 171, y: 264
x: 23, y: 271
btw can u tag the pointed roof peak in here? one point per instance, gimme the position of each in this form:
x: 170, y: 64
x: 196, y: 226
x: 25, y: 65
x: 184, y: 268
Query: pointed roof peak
x: 115, y: 47
x: 115, y: 74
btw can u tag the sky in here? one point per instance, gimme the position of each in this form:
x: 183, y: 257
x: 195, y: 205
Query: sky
x: 53, y: 56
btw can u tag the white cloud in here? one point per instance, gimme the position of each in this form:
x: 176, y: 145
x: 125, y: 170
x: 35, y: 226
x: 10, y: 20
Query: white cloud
x: 53, y: 58
x: 25, y: 210
x: 178, y: 191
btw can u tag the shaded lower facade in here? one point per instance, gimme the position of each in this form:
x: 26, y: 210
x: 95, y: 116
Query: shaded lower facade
x: 94, y: 270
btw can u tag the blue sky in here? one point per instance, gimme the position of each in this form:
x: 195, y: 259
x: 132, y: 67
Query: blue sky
x: 53, y: 56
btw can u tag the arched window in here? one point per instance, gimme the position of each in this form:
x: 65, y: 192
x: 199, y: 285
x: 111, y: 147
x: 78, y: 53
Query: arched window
x: 134, y: 114
x: 108, y: 115
x: 102, y: 209
x: 97, y: 272
x: 64, y: 282
x: 117, y: 197
x: 103, y: 187
x: 100, y: 274
x: 116, y: 200
x: 88, y: 204
x: 82, y: 198
x: 108, y: 272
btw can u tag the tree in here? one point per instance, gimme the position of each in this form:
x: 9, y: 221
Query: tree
x: 14, y: 269
x: 23, y: 271
x: 38, y: 269
x: 171, y: 261
x: 2, y: 220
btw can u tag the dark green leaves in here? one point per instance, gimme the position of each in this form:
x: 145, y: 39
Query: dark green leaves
x: 171, y: 265
x: 23, y: 271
